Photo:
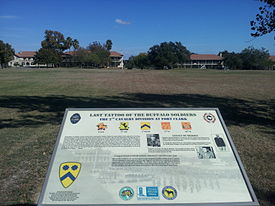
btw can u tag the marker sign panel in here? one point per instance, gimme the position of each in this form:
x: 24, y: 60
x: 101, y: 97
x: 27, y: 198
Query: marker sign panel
x: 145, y: 156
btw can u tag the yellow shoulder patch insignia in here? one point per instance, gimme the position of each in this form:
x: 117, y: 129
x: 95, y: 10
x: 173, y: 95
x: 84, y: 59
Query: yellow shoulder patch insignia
x: 68, y: 172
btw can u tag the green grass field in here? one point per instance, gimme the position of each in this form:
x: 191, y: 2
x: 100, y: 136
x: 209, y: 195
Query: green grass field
x: 33, y: 101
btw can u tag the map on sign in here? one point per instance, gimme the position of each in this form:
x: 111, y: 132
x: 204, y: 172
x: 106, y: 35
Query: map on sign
x: 145, y: 156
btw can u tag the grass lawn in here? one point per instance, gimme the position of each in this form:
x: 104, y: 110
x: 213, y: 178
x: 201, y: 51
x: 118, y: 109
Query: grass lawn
x: 33, y: 101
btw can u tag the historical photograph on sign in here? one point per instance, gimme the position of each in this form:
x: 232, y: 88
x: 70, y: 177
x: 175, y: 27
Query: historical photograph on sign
x: 153, y: 140
x: 205, y: 153
x: 220, y: 142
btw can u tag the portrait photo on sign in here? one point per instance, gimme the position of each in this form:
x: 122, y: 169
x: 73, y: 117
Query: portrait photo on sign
x: 153, y: 140
x: 220, y: 142
x: 205, y: 152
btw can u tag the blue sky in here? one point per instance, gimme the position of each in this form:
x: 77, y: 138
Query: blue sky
x: 203, y: 26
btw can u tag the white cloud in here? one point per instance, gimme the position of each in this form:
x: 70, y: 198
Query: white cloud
x: 8, y: 17
x: 119, y: 21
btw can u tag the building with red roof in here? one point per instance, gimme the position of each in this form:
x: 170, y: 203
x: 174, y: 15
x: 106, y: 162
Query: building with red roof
x: 204, y: 61
x: 272, y: 58
x: 26, y: 59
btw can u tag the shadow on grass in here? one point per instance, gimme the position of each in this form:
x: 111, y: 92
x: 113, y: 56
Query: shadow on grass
x: 268, y: 196
x: 23, y: 205
x: 37, y: 110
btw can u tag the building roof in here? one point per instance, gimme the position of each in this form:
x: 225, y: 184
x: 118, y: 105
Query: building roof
x: 205, y: 57
x: 24, y: 54
x: 115, y: 54
x: 70, y: 53
x: 272, y: 58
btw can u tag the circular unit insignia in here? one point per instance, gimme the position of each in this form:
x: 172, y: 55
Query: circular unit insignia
x: 209, y: 117
x: 75, y: 118
x: 169, y: 193
x: 126, y: 193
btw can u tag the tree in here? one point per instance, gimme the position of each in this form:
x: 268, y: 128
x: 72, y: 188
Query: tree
x: 54, y: 43
x: 232, y: 60
x: 255, y: 58
x: 109, y: 45
x: 168, y: 54
x: 101, y: 52
x: 47, y: 56
x: 6, y: 53
x: 140, y: 61
x: 265, y: 19
x: 75, y: 44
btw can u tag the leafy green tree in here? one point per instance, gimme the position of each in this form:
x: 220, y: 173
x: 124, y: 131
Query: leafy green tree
x: 55, y: 43
x: 265, y: 19
x: 129, y: 64
x: 101, y: 52
x: 75, y: 44
x: 47, y: 56
x: 140, y: 61
x: 86, y: 58
x: 109, y: 45
x: 232, y: 60
x: 168, y: 54
x: 255, y: 58
x: 6, y: 53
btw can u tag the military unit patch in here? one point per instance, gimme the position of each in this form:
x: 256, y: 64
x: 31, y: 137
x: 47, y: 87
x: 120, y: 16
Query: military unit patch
x: 210, y: 118
x: 186, y: 125
x: 124, y: 126
x: 166, y: 125
x: 101, y: 126
x: 145, y: 126
x: 68, y: 172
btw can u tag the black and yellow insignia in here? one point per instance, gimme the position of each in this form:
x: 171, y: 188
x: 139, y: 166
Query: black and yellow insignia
x: 145, y: 126
x: 124, y: 126
x: 68, y: 172
x: 169, y: 193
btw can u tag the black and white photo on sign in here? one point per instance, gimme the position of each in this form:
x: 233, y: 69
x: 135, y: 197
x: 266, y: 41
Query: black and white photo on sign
x: 205, y: 152
x: 219, y: 142
x: 153, y: 140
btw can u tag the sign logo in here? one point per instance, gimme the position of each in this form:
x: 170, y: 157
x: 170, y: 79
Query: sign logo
x: 169, y: 193
x: 166, y: 126
x: 101, y: 126
x: 145, y: 126
x: 124, y: 126
x: 68, y: 172
x: 148, y: 193
x: 186, y: 125
x: 210, y: 118
x: 126, y: 193
x: 75, y: 118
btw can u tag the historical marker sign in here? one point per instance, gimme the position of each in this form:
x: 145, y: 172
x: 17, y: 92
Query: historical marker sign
x: 145, y: 156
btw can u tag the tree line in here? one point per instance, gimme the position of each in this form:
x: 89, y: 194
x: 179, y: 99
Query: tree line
x: 52, y: 51
x: 248, y: 59
x: 54, y: 45
x: 168, y: 55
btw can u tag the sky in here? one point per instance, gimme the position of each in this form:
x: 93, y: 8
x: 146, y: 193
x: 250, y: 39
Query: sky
x: 203, y: 26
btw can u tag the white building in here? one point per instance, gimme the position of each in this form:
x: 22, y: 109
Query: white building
x: 117, y: 59
x: 23, y: 59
